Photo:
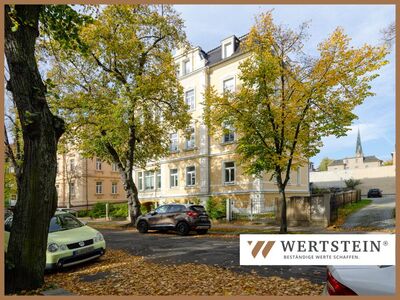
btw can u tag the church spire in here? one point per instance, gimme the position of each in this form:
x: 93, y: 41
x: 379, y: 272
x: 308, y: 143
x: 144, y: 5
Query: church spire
x: 359, y: 151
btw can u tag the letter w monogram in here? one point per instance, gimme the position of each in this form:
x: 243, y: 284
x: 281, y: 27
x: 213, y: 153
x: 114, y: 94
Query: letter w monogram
x: 265, y: 250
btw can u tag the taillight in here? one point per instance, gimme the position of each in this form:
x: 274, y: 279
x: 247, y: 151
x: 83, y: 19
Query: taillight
x: 192, y: 214
x: 336, y: 288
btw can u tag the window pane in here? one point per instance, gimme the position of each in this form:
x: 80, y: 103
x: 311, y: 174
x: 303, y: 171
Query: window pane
x: 229, y: 85
x: 159, y: 179
x: 174, y: 177
x: 162, y: 209
x: 189, y: 99
x: 149, y: 180
x: 174, y: 142
x: 140, y: 180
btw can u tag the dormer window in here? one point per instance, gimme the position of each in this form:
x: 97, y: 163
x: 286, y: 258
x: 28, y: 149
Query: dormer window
x: 228, y: 46
x: 228, y: 49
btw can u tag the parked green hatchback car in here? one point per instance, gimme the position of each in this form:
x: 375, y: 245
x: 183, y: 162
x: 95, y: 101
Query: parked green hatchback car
x: 70, y: 241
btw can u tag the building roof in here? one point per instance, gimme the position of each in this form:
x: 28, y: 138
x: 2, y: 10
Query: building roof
x: 214, y: 56
x: 371, y: 158
x: 337, y: 162
x: 366, y: 159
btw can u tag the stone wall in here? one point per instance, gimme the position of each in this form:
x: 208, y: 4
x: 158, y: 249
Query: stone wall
x: 383, y: 178
x: 315, y: 210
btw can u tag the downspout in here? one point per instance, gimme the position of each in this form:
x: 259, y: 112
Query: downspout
x: 86, y: 184
x: 207, y: 74
x: 64, y: 174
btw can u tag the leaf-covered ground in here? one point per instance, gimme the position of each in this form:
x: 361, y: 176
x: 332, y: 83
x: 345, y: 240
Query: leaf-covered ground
x: 119, y: 273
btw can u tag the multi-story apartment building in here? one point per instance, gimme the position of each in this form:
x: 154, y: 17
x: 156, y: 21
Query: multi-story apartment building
x: 82, y: 182
x: 200, y: 165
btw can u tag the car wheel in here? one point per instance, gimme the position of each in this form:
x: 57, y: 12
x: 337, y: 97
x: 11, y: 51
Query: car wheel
x: 142, y: 227
x: 182, y: 228
x: 202, y: 231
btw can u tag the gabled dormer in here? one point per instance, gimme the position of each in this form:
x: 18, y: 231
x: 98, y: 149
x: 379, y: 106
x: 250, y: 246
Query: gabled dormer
x: 229, y: 46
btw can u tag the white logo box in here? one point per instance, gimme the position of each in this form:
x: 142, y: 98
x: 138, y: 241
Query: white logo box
x: 317, y: 249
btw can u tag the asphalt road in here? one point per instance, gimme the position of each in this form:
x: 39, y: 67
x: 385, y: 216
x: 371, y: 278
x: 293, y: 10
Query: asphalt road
x: 379, y: 214
x: 169, y: 248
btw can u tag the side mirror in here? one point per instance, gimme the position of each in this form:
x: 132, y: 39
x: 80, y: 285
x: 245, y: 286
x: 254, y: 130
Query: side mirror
x: 153, y: 213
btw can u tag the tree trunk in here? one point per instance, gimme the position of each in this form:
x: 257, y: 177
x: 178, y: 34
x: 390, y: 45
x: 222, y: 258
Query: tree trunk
x: 131, y: 195
x: 283, y: 228
x: 37, y: 195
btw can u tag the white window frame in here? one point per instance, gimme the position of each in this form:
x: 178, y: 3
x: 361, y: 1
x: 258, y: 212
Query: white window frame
x: 158, y: 180
x: 190, y: 142
x: 114, y: 167
x: 229, y: 134
x: 231, y: 170
x: 99, y: 187
x: 149, y: 178
x: 192, y: 104
x: 174, y: 142
x: 173, y: 178
x: 140, y: 181
x: 233, y: 86
x: 98, y: 164
x: 186, y: 67
x: 114, y: 188
x: 71, y: 190
x: 225, y: 48
x: 191, y: 176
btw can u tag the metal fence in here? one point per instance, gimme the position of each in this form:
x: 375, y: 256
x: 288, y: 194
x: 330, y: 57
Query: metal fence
x: 340, y: 199
x: 255, y: 209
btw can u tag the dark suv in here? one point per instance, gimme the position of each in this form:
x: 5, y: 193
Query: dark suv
x: 179, y: 217
x: 373, y: 193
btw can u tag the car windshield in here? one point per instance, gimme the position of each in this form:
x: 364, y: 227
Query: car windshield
x: 64, y: 222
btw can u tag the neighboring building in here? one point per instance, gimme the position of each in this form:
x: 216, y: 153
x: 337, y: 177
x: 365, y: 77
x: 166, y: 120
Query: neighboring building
x: 202, y: 165
x: 358, y: 162
x: 368, y: 169
x: 82, y: 182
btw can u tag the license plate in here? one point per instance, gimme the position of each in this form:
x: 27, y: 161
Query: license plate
x: 83, y: 251
x: 202, y: 227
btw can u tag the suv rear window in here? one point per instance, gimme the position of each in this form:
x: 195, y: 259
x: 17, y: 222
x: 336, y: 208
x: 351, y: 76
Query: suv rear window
x: 198, y: 208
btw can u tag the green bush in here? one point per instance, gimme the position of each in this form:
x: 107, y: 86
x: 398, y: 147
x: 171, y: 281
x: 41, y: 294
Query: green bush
x: 216, y: 208
x: 352, y: 183
x: 83, y: 213
x: 118, y: 210
x: 98, y: 210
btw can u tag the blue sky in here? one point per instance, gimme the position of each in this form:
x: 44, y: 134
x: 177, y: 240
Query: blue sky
x: 207, y: 25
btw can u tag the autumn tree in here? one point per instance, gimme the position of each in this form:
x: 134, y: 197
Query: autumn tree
x: 121, y: 97
x: 288, y: 101
x: 389, y: 34
x: 41, y: 130
x: 325, y: 162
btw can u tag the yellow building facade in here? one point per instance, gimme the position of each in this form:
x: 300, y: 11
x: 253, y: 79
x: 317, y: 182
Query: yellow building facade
x: 200, y: 165
x: 82, y: 182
